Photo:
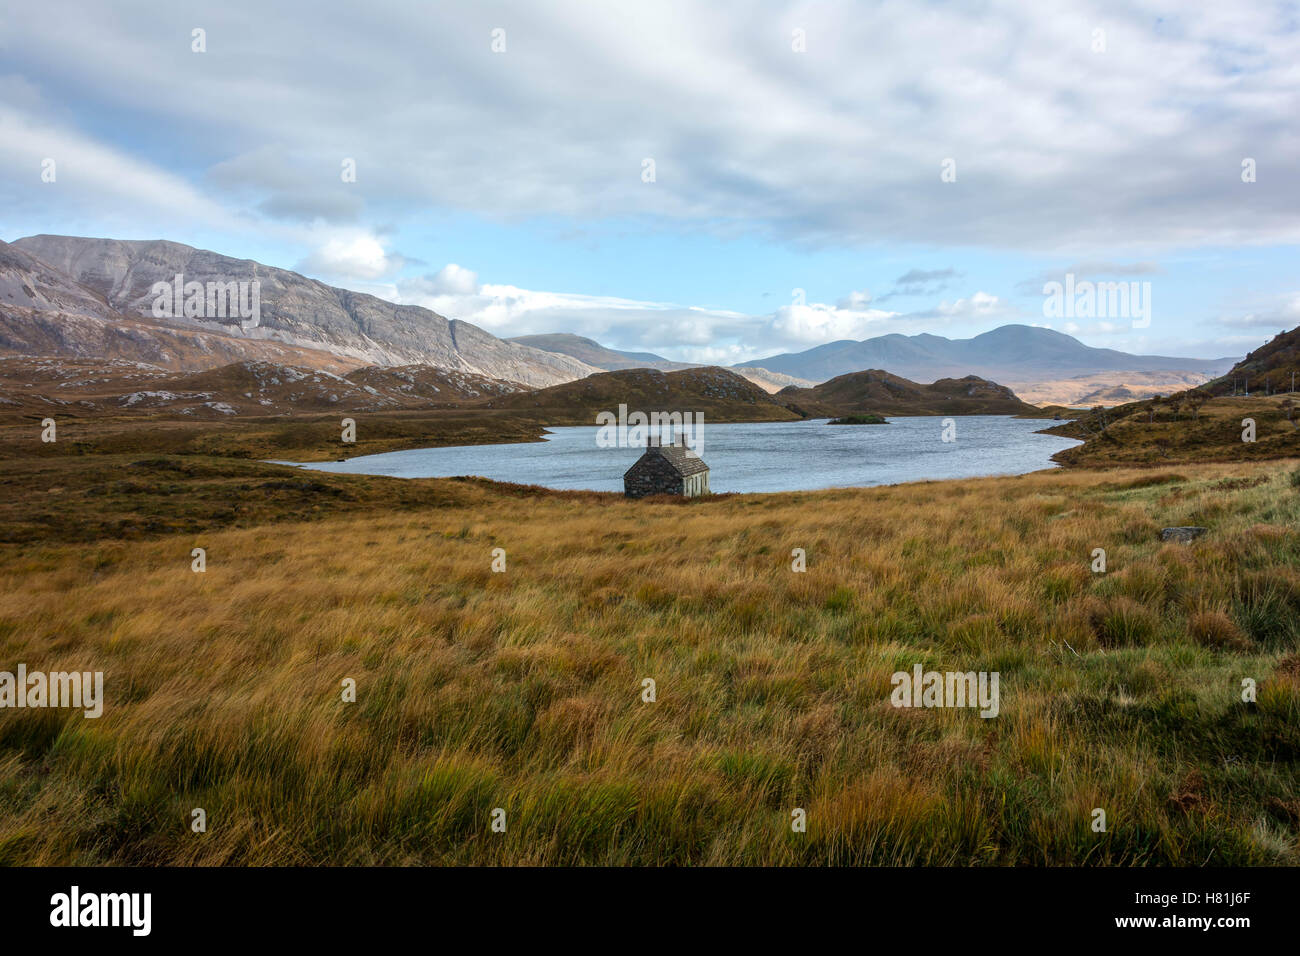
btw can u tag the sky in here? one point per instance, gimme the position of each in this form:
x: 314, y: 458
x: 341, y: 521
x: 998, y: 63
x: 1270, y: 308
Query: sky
x: 711, y: 181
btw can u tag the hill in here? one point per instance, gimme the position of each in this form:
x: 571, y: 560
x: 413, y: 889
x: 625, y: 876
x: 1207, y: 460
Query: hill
x: 717, y: 393
x: 1268, y: 370
x: 1192, y: 426
x: 1014, y: 354
x: 1205, y: 423
x: 886, y: 394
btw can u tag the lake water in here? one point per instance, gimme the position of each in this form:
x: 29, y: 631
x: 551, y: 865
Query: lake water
x: 761, y: 456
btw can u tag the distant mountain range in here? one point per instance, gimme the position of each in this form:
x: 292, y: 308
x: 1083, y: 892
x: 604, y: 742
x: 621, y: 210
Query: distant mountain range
x: 1010, y: 354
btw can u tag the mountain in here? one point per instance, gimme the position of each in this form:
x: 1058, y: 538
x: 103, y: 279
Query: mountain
x: 63, y: 295
x: 594, y: 354
x: 1014, y: 354
x: 887, y: 394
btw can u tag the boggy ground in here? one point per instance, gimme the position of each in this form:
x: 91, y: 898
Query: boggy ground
x: 522, y: 690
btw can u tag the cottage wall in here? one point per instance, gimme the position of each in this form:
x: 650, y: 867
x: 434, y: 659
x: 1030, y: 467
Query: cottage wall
x: 652, y: 475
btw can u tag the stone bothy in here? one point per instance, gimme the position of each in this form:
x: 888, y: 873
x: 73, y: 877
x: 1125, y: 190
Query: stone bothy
x: 667, y: 470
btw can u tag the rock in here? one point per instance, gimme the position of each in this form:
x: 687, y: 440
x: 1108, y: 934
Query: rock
x: 1183, y: 535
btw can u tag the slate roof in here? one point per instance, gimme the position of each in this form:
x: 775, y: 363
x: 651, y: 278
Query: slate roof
x: 680, y: 459
x: 684, y: 461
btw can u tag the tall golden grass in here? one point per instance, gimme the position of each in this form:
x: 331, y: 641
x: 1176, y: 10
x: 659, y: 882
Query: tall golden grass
x: 522, y: 690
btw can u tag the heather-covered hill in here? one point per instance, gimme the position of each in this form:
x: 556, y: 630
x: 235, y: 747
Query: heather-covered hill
x: 886, y: 394
x: 717, y: 393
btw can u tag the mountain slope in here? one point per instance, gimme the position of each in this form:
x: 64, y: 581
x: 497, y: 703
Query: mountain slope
x: 1011, y: 353
x: 295, y: 311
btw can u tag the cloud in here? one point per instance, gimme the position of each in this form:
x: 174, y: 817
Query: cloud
x: 356, y: 256
x: 1091, y: 270
x: 812, y: 324
x: 981, y: 306
x: 451, y: 279
x: 854, y: 302
x: 682, y: 333
x: 90, y: 175
x: 1282, y: 313
x: 1138, y: 146
x: 312, y: 207
x: 921, y: 282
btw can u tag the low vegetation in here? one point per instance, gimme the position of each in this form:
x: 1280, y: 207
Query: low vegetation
x: 522, y: 690
x: 309, y: 437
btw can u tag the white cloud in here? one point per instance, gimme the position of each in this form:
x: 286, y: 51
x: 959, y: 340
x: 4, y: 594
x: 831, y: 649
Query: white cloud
x: 88, y: 175
x: 1139, y: 145
x: 452, y: 279
x: 816, y: 323
x: 682, y: 333
x: 978, y: 305
x: 854, y: 302
x: 1283, y: 313
x: 352, y: 256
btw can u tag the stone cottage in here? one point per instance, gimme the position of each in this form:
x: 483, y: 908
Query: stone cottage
x: 667, y: 470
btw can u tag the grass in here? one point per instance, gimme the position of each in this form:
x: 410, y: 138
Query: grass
x: 523, y: 690
x: 303, y: 437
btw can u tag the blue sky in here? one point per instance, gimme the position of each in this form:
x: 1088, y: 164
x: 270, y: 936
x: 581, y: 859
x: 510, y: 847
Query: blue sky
x: 501, y: 176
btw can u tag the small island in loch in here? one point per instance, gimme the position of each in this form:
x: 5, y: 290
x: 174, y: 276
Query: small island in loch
x: 861, y: 418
